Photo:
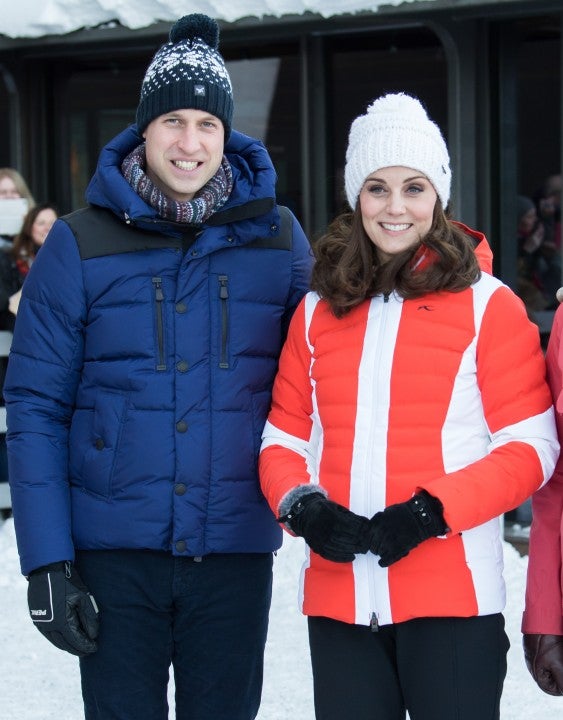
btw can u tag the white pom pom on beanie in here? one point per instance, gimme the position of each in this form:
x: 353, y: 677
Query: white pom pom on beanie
x: 396, y: 131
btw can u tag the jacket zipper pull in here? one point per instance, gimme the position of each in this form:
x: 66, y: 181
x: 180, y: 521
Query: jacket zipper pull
x: 159, y: 298
x: 373, y: 623
x: 223, y: 297
x: 223, y: 289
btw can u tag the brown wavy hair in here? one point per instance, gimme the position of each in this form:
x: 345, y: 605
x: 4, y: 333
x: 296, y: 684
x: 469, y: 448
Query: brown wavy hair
x: 24, y: 245
x: 347, y: 269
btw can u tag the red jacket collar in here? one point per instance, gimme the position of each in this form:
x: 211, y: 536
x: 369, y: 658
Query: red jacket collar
x: 424, y: 255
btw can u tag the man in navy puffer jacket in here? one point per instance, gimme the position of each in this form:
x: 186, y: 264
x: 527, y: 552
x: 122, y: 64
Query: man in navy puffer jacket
x: 139, y: 382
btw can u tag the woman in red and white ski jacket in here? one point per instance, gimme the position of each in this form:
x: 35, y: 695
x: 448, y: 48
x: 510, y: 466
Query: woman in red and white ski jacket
x: 445, y: 392
x: 408, y: 372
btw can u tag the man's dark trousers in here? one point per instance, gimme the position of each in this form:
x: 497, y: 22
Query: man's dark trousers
x: 207, y: 617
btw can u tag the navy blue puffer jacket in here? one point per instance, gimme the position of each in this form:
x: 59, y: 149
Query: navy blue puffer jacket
x: 141, y: 368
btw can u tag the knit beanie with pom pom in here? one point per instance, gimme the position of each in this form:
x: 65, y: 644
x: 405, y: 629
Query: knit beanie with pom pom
x: 396, y: 131
x: 188, y: 73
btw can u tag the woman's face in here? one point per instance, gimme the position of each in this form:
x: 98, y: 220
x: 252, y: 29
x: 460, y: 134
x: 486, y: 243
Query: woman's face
x: 8, y: 189
x: 43, y: 223
x: 397, y: 206
x: 527, y: 222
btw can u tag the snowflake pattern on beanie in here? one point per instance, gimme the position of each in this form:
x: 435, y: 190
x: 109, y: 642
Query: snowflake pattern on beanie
x: 188, y: 72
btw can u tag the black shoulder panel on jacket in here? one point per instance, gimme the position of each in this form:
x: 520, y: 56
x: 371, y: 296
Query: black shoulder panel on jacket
x: 99, y: 232
x: 284, y: 240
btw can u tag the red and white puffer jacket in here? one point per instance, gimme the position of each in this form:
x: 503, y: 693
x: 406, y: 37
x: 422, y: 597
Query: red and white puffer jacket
x: 445, y: 393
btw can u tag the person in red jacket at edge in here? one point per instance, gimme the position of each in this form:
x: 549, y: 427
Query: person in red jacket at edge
x: 410, y: 411
x: 542, y: 622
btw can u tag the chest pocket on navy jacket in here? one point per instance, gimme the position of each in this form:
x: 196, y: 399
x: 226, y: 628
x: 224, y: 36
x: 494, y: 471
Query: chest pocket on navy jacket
x: 159, y: 323
x: 95, y: 434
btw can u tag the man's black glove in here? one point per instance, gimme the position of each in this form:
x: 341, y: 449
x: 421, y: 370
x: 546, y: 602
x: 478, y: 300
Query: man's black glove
x: 62, y: 609
x: 330, y: 529
x: 401, y: 527
x: 544, y: 658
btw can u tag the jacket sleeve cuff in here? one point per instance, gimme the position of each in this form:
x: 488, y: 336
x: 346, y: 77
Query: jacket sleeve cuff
x: 295, y: 494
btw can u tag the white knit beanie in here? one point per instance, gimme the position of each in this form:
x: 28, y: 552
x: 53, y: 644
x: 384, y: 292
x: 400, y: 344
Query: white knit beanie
x: 396, y: 131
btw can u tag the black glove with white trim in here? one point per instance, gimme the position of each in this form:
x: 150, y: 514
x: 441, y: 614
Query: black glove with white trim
x: 62, y: 609
x: 329, y: 529
x: 401, y: 527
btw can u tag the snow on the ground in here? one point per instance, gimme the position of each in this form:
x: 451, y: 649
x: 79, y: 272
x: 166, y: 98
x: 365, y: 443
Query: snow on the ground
x: 39, y: 682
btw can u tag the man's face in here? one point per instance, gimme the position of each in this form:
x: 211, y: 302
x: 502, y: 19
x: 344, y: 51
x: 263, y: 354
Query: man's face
x: 184, y: 150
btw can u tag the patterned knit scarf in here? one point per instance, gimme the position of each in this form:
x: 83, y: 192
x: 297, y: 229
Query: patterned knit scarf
x: 209, y: 199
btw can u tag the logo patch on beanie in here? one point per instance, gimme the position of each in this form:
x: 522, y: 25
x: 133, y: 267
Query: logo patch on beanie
x: 199, y: 90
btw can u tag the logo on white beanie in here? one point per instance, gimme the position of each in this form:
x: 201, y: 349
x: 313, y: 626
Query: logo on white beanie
x: 396, y: 131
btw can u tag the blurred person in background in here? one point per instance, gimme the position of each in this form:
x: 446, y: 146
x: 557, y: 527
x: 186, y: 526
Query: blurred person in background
x: 548, y: 203
x: 12, y: 187
x: 539, y: 261
x: 16, y: 261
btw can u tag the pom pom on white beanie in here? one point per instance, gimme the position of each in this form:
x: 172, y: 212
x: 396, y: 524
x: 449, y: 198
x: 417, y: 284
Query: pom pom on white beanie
x: 396, y: 131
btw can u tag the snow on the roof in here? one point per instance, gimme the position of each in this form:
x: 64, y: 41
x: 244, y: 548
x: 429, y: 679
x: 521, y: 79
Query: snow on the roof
x: 37, y: 18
